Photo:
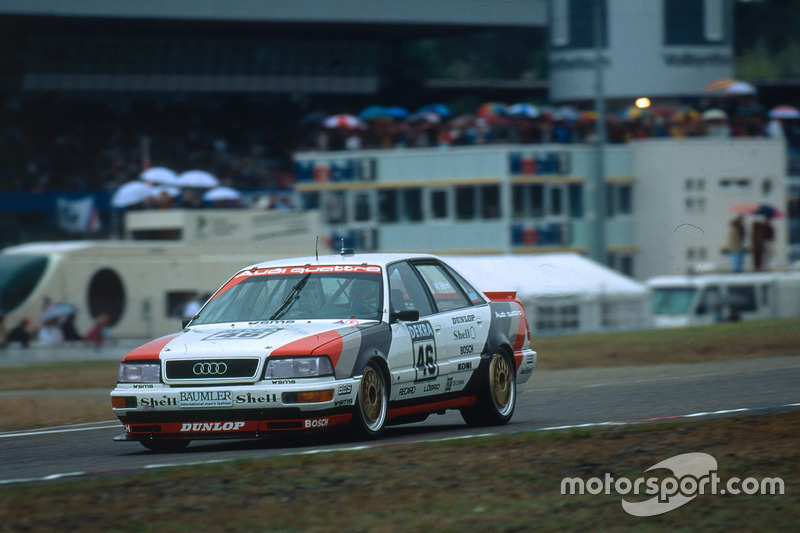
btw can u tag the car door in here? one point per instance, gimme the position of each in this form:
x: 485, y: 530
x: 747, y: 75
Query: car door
x: 414, y: 353
x: 461, y: 324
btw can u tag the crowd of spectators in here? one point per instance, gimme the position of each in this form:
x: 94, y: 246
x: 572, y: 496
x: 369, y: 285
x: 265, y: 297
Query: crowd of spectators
x: 722, y: 118
x: 51, y: 144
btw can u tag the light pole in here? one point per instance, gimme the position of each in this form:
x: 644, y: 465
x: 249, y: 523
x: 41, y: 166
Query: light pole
x: 600, y: 106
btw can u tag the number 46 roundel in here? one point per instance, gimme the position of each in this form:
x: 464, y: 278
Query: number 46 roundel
x: 423, y: 349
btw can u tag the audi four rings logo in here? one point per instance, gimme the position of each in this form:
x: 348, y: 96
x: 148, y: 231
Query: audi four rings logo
x: 209, y: 369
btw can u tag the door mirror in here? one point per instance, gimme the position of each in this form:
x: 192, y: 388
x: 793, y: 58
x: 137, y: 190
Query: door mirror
x: 407, y: 315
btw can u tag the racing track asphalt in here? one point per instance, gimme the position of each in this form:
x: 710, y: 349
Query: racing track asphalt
x: 553, y: 399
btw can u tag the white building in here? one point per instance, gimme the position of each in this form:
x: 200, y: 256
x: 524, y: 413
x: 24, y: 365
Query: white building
x: 667, y: 209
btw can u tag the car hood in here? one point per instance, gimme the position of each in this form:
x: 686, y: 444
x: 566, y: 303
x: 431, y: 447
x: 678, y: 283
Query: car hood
x: 252, y: 339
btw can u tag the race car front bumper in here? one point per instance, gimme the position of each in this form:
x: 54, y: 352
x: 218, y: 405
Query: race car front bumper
x: 232, y: 411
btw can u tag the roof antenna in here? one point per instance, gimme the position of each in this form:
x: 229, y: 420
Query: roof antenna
x: 346, y: 251
x: 316, y: 248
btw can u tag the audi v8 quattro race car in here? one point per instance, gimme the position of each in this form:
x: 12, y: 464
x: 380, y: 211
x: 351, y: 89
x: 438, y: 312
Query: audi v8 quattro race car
x: 302, y: 344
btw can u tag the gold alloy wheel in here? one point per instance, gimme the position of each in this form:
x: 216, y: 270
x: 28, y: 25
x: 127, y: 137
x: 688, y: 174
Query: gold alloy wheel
x: 371, y: 398
x: 500, y: 382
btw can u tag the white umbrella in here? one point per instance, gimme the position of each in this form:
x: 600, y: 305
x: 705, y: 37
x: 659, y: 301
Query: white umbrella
x: 222, y: 193
x: 160, y: 176
x: 131, y: 193
x: 57, y: 310
x: 199, y: 179
x: 714, y: 114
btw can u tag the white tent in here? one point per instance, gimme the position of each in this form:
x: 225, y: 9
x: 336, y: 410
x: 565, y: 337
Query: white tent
x: 563, y: 293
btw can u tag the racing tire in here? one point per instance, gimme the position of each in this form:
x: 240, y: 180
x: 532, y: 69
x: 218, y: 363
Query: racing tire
x: 498, y: 398
x: 166, y: 446
x: 372, y: 403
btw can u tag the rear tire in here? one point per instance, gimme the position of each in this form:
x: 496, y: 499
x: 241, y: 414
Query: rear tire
x: 166, y: 445
x: 372, y: 404
x: 498, y: 398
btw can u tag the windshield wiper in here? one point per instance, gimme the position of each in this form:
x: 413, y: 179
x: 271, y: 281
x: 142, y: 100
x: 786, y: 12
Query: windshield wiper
x: 291, y: 298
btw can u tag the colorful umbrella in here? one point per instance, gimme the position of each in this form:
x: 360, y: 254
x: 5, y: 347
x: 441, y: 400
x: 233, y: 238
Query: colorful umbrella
x: 492, y: 109
x: 567, y: 113
x: 765, y: 210
x: 784, y: 111
x: 373, y: 112
x: 633, y: 113
x: 397, y: 112
x: 342, y: 121
x: 440, y: 109
x: 524, y: 110
x: 730, y: 86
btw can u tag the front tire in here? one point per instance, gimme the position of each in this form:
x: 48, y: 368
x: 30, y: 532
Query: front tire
x: 498, y: 398
x: 373, y: 401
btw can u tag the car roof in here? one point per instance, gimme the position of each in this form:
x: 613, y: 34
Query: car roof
x: 377, y: 259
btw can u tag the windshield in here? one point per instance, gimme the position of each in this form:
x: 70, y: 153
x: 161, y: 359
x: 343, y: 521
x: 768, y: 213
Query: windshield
x: 302, y: 296
x: 19, y: 275
x: 673, y: 300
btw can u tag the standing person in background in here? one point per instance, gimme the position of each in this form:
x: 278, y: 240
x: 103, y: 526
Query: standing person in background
x: 50, y: 333
x: 98, y: 334
x: 762, y: 234
x: 69, y: 330
x: 22, y: 333
x: 736, y: 237
x: 768, y: 236
x: 3, y: 330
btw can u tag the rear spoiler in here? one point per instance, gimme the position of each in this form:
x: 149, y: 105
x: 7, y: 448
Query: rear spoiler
x: 502, y: 296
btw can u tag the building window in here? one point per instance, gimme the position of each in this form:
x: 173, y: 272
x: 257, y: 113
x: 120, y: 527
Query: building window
x: 411, y: 205
x: 465, y: 203
x: 519, y: 197
x: 439, y: 204
x: 387, y: 205
x: 556, y: 201
x: 625, y: 199
x: 362, y: 207
x: 490, y: 195
x: 575, y: 194
x: 573, y: 24
x: 557, y: 317
x: 537, y: 201
x: 734, y: 184
x: 766, y: 187
x: 695, y: 22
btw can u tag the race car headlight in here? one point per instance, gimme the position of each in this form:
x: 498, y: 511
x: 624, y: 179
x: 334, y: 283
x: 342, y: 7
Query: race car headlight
x: 139, y: 373
x: 298, y: 367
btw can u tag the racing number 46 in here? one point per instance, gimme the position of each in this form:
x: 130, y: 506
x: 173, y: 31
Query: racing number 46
x: 423, y: 350
x: 426, y: 360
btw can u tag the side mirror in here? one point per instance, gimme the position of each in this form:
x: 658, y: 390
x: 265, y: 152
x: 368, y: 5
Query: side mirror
x: 407, y: 315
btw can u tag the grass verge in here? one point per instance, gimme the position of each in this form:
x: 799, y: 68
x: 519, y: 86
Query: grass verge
x: 501, y: 483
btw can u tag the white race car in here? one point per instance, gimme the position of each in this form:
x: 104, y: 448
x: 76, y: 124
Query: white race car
x: 301, y: 344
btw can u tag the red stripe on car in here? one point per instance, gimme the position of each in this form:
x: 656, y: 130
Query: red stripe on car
x: 328, y: 343
x: 149, y: 351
